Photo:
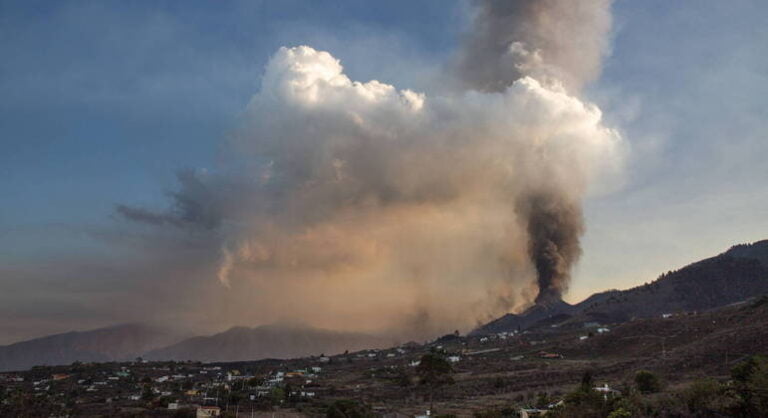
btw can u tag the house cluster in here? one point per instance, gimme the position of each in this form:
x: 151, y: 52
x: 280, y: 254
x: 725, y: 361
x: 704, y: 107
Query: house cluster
x: 598, y: 329
x: 499, y: 336
x: 301, y: 383
x: 375, y: 354
x: 220, y: 388
x: 539, y: 412
x: 99, y: 386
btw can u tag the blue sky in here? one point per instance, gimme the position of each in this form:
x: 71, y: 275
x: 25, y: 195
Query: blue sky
x: 687, y: 83
x: 103, y: 102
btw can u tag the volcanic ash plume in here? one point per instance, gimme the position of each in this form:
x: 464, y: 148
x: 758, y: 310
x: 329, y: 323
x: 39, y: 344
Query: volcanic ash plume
x: 355, y: 205
x: 554, y: 228
x: 554, y: 41
x: 560, y: 43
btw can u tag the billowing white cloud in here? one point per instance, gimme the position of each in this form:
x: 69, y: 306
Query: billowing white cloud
x: 358, y: 205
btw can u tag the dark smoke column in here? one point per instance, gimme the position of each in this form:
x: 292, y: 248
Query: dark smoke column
x: 557, y: 42
x: 555, y: 226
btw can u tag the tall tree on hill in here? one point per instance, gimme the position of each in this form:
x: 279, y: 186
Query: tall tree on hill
x: 434, y: 371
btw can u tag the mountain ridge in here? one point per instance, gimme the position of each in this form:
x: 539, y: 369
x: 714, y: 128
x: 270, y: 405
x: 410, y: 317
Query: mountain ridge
x: 114, y: 343
x: 267, y: 341
x: 737, y: 274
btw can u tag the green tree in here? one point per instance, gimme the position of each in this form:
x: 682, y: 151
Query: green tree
x: 434, y: 371
x: 147, y: 394
x: 647, y: 382
x: 277, y: 395
x: 288, y: 393
x: 706, y: 397
x: 750, y: 384
x: 584, y: 401
x: 587, y: 381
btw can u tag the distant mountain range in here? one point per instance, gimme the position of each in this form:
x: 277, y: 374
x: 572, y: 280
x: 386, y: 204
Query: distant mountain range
x: 117, y: 343
x: 735, y: 275
x: 738, y: 274
x: 127, y: 342
x: 270, y: 341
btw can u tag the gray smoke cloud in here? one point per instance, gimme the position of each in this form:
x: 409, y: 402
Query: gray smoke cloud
x: 195, y: 205
x: 554, y: 41
x: 559, y: 42
x: 357, y: 206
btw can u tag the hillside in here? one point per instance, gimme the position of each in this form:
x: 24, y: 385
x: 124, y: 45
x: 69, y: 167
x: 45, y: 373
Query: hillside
x: 270, y: 341
x: 489, y: 374
x: 117, y: 343
x: 735, y: 275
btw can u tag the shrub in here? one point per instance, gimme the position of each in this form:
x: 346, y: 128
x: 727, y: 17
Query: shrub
x: 750, y: 383
x: 347, y: 408
x: 647, y: 382
x: 706, y: 396
x: 620, y: 413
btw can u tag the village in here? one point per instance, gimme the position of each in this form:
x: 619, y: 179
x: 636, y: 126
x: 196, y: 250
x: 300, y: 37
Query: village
x: 248, y: 388
x: 529, y: 373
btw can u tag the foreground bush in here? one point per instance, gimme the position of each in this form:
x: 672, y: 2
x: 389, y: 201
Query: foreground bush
x: 647, y: 382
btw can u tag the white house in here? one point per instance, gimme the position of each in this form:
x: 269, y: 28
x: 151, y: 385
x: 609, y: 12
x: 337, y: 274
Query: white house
x: 605, y: 390
x: 532, y: 412
x: 208, y: 411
